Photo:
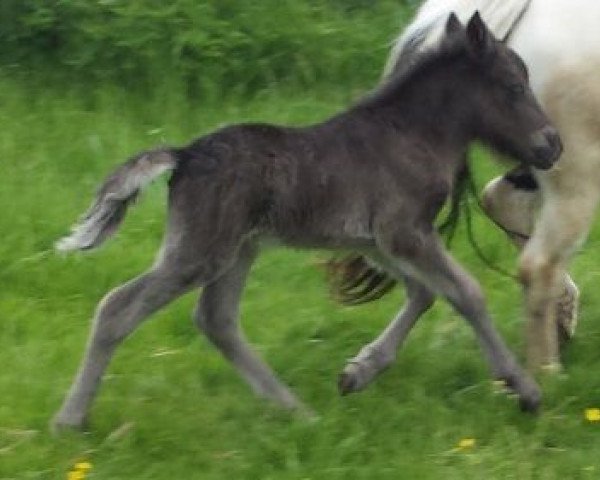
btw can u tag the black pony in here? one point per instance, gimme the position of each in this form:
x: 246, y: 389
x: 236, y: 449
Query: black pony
x: 372, y: 179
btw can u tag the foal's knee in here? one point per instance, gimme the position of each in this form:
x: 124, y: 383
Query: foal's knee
x: 201, y: 318
x: 425, y: 299
x: 469, y: 300
x: 214, y: 319
x: 108, y: 324
x: 402, y: 243
x: 422, y: 297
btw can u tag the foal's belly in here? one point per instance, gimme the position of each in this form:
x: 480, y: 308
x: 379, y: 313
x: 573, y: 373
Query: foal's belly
x: 344, y: 232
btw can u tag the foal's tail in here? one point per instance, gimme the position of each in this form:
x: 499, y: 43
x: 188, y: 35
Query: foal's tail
x: 114, y: 196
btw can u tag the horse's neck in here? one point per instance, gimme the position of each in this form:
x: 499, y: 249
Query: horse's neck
x: 555, y: 35
x: 550, y: 35
x: 427, y: 27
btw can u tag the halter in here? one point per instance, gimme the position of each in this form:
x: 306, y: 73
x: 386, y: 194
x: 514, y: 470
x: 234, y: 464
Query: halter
x: 516, y: 22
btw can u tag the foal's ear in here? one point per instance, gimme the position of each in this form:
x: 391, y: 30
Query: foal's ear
x: 453, y: 25
x: 479, y: 38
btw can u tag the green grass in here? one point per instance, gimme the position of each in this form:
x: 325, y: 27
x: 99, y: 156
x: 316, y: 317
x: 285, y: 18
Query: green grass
x: 186, y: 414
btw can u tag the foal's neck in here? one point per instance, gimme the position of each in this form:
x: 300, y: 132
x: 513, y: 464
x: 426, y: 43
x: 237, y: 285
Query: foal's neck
x: 433, y: 106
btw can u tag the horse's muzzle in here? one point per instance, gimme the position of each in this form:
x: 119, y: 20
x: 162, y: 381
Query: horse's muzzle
x: 547, y: 147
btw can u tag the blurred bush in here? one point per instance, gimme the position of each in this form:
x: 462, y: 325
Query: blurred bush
x: 219, y: 45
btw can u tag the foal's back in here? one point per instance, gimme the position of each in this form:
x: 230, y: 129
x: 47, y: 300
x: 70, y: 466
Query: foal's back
x: 312, y: 186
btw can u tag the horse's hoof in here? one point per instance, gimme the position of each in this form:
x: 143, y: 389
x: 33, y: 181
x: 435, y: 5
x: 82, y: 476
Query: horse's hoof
x: 553, y: 368
x: 567, y: 312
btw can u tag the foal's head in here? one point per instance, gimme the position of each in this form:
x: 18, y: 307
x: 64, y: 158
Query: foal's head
x: 499, y: 105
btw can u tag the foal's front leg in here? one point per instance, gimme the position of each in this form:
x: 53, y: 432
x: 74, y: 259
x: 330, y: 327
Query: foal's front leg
x: 376, y: 356
x: 422, y: 255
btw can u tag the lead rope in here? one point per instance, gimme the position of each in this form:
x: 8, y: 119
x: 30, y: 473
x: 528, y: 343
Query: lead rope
x: 471, y: 237
x: 517, y: 21
x: 473, y: 188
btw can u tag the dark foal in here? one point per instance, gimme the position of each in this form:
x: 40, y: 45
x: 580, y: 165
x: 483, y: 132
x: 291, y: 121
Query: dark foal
x: 372, y: 179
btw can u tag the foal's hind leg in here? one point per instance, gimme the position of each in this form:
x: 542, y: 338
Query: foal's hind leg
x: 512, y: 201
x: 217, y: 316
x: 376, y: 356
x: 425, y: 257
x: 118, y: 314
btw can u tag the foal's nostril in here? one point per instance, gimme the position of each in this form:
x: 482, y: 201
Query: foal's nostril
x: 554, y: 141
x: 547, y: 146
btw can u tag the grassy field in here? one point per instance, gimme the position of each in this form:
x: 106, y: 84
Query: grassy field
x: 170, y: 406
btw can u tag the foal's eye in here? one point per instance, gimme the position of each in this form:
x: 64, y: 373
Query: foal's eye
x: 516, y: 90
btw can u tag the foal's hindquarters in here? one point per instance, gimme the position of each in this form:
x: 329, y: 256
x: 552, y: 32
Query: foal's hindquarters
x: 208, y: 244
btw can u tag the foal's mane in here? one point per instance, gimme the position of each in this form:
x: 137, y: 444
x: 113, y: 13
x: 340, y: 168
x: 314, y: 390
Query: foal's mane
x: 450, y: 49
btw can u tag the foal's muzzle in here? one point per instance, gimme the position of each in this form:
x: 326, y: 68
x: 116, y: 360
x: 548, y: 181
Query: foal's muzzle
x: 547, y: 147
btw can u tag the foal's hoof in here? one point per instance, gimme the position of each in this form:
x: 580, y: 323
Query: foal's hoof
x: 347, y: 383
x: 305, y: 413
x: 355, y: 377
x: 362, y: 369
x: 530, y: 395
x: 530, y: 403
x: 62, y: 424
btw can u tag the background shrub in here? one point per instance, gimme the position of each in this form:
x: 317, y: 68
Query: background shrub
x: 221, y: 45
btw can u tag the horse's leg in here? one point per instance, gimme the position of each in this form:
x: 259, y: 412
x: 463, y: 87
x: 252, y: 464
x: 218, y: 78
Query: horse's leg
x: 217, y: 316
x: 571, y: 193
x: 426, y: 259
x: 563, y: 224
x: 118, y: 314
x: 376, y: 356
x: 512, y: 201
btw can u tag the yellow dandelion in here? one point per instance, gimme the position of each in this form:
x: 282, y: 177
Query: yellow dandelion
x: 76, y: 475
x: 83, y: 466
x: 592, y: 414
x: 466, y: 443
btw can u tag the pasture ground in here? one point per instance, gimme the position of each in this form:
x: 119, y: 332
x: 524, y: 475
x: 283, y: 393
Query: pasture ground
x: 172, y: 408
